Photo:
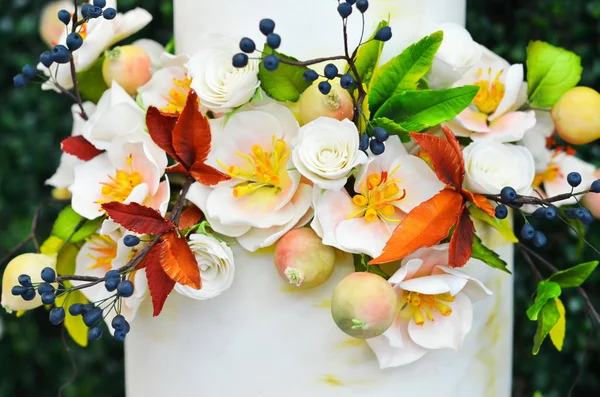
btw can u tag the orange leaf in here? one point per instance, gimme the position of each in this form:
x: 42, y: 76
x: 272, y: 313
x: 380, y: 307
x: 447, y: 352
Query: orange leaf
x: 207, y: 175
x: 137, y: 218
x: 80, y: 147
x: 159, y: 283
x: 190, y: 217
x: 425, y: 226
x: 480, y: 202
x: 191, y: 135
x: 457, y: 151
x: 177, y: 169
x: 461, y: 243
x: 179, y: 262
x: 160, y: 126
x: 447, y: 165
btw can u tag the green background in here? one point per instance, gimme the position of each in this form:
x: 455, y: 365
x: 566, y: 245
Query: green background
x: 33, y: 358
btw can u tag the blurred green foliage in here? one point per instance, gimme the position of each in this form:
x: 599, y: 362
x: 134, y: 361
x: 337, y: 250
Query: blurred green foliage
x: 33, y: 359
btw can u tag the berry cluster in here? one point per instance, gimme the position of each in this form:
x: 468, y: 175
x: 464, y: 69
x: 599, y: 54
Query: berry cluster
x: 61, y: 54
x: 247, y: 45
x: 376, y: 142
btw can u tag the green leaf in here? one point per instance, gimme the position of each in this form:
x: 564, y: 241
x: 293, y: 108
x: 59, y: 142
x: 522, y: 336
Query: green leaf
x: 502, y: 225
x: 548, y: 317
x: 284, y: 84
x: 367, y: 57
x: 575, y: 276
x: 546, y: 291
x: 51, y: 245
x: 487, y: 256
x: 91, y: 82
x: 557, y: 333
x: 72, y: 227
x: 74, y: 324
x: 65, y: 263
x: 361, y: 264
x: 392, y: 128
x: 551, y: 71
x: 419, y: 110
x: 404, y: 71
x: 170, y: 47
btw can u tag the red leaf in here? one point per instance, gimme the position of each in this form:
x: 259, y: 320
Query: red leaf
x: 160, y: 126
x: 207, y: 175
x: 179, y: 262
x: 425, y: 226
x: 191, y: 135
x: 458, y: 152
x: 480, y: 202
x: 177, y: 169
x: 159, y: 283
x: 190, y: 217
x: 461, y: 243
x: 80, y: 147
x: 447, y: 165
x: 138, y: 218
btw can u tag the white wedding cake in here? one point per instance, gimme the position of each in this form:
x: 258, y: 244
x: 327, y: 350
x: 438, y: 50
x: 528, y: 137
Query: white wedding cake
x: 263, y: 338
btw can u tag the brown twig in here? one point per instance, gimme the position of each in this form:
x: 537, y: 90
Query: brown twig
x: 312, y: 61
x: 531, y: 264
x: 76, y: 94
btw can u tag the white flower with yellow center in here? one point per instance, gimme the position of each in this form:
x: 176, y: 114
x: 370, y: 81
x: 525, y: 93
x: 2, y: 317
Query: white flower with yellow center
x: 435, y: 308
x: 264, y: 198
x: 387, y: 188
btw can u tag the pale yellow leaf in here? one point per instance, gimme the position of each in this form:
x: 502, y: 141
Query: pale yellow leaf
x: 74, y: 324
x: 557, y: 333
x: 502, y: 225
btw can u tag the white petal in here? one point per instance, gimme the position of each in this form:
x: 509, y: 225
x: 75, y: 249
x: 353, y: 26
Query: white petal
x: 473, y: 120
x: 512, y: 87
x: 417, y: 179
x: 395, y: 348
x: 435, y: 284
x: 566, y: 164
x: 357, y: 235
x: 509, y: 127
x: 333, y: 207
x: 474, y: 289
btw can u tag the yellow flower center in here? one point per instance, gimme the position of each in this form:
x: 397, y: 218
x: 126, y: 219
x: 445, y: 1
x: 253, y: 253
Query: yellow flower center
x: 177, y: 96
x: 491, y: 92
x: 549, y: 175
x: 103, y: 251
x: 83, y: 30
x: 421, y: 307
x: 261, y: 170
x: 119, y: 187
x: 381, y: 191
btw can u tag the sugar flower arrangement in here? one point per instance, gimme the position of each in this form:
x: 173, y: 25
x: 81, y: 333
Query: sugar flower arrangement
x: 408, y: 163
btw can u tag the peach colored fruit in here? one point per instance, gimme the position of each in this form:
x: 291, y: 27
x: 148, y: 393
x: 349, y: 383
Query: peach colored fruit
x: 129, y: 66
x: 577, y: 115
x: 337, y: 104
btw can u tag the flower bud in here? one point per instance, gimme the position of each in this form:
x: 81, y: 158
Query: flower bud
x: 32, y: 265
x: 364, y: 305
x: 576, y: 116
x: 336, y: 104
x: 303, y: 260
x: 592, y: 200
x: 129, y: 66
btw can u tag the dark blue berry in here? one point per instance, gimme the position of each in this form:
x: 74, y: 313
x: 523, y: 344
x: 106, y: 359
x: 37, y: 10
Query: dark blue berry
x: 100, y: 3
x: 57, y: 315
x: 310, y: 75
x: 384, y: 34
x: 126, y: 327
x: 48, y: 298
x: 527, y: 231
x: 61, y: 54
x: 347, y: 81
x: 508, y: 194
x: 48, y: 275
x: 540, y: 212
x: 240, y: 60
x: 247, y: 45
x: 76, y: 309
x: 125, y: 289
x: 380, y: 134
x: 274, y: 40
x: 88, y: 307
x: 45, y: 288
x: 29, y: 294
x: 595, y: 188
x: 574, y: 179
x: 64, y: 16
x: 501, y: 212
x: 550, y: 213
x: 30, y: 71
x: 92, y: 317
x: 109, y: 13
x: 46, y: 58
x: 271, y: 62
x: 20, y: 80
x: 94, y: 333
x: 24, y: 280
x: 539, y: 239
x: 95, y: 12
x: 331, y: 71
x: 74, y: 41
x: 587, y: 218
x: 120, y: 335
x: 345, y: 10
x: 266, y: 26
x: 111, y: 284
x: 131, y: 240
x: 351, y: 2
x: 377, y: 147
x: 571, y: 213
x: 362, y: 5
x: 118, y: 322
x: 364, y: 142
x: 324, y: 87
x: 85, y: 10
x: 18, y: 290
x: 112, y: 274
x: 579, y: 213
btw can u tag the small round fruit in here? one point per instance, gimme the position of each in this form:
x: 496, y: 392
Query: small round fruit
x: 129, y: 66
x: 337, y: 103
x: 577, y: 115
x: 303, y: 260
x: 364, y: 305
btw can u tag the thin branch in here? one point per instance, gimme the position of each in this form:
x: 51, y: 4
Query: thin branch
x: 524, y: 200
x: 312, y: 61
x: 77, y: 95
x: 531, y: 264
x: 579, y: 234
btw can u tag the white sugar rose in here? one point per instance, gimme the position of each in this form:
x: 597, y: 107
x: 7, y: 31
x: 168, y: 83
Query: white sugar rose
x: 220, y: 86
x: 326, y: 151
x: 490, y: 166
x: 215, y: 260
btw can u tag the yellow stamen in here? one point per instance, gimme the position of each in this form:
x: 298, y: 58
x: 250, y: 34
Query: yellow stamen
x: 491, y: 92
x: 120, y: 186
x: 177, y: 96
x: 418, y: 303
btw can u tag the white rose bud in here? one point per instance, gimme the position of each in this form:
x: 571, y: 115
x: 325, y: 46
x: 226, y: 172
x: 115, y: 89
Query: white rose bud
x: 215, y: 260
x: 490, y: 166
x: 220, y: 86
x: 31, y: 265
x: 326, y: 151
